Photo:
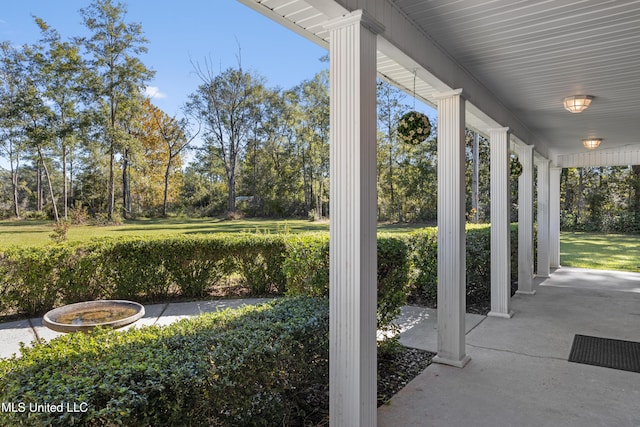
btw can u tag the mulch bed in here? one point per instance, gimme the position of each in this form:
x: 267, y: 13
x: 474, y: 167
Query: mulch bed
x: 397, y: 370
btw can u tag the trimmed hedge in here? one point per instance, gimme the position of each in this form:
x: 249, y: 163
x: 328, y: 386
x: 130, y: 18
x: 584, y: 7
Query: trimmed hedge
x: 258, y: 365
x: 306, y: 268
x: 34, y: 280
x: 424, y: 259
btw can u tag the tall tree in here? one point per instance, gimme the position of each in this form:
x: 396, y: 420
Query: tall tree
x: 227, y: 106
x: 130, y: 146
x: 313, y: 136
x: 119, y: 76
x: 271, y: 171
x: 59, y: 69
x: 477, y: 179
x: 390, y: 149
x: 38, y: 121
x: 12, y: 75
x: 175, y: 136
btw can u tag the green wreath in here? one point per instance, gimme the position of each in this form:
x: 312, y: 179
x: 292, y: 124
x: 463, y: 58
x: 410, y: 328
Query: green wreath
x: 414, y: 127
x: 515, y: 167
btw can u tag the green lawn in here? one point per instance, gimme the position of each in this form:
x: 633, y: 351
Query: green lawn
x: 600, y: 251
x: 587, y: 250
x: 26, y: 233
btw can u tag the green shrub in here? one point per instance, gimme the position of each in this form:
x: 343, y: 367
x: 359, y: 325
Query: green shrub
x: 478, y: 250
x: 28, y: 278
x: 424, y: 261
x: 306, y: 268
x: 393, y: 278
x: 306, y: 265
x: 258, y: 258
x: 34, y: 280
x: 196, y: 264
x: 81, y: 276
x: 514, y: 253
x: 135, y: 268
x: 261, y: 365
x: 60, y: 230
x: 79, y: 214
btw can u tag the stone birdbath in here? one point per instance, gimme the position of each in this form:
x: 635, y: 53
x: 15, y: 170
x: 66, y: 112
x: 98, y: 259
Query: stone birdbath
x: 84, y: 316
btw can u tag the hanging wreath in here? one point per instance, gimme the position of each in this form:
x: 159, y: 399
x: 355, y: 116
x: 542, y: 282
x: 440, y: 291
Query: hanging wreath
x: 516, y: 167
x: 414, y: 127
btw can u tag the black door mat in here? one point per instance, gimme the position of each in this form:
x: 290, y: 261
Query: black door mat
x: 606, y: 352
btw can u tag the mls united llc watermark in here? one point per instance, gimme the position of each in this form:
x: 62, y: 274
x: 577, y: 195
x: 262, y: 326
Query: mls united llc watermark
x: 23, y: 407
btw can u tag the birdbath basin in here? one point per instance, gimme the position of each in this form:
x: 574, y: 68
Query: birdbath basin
x: 84, y: 316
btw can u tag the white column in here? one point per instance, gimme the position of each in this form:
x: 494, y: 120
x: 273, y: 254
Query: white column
x: 543, y: 219
x: 451, y: 237
x: 352, y: 291
x: 554, y: 216
x: 525, y: 221
x: 500, y: 223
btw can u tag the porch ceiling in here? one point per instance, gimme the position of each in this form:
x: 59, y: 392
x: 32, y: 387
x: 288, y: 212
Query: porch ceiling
x: 532, y: 54
x: 528, y: 55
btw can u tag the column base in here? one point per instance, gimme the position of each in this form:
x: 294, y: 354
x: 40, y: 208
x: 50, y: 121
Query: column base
x: 508, y: 315
x: 451, y: 362
x: 519, y: 292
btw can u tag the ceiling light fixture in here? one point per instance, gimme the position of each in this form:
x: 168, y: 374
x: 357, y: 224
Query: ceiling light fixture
x: 577, y: 103
x: 591, y: 143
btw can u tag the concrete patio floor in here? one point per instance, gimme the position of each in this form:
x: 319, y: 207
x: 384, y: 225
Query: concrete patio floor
x: 519, y: 374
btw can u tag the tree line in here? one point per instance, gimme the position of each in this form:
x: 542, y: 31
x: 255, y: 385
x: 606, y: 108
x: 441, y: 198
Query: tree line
x: 80, y: 138
x: 601, y: 199
x: 76, y: 129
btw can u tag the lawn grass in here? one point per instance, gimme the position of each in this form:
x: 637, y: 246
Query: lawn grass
x: 585, y: 250
x: 600, y: 251
x: 37, y: 233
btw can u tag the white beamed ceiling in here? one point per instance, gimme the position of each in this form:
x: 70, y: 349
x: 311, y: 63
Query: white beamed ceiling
x: 528, y: 54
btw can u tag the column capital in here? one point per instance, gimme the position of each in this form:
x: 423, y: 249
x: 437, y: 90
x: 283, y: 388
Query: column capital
x: 525, y: 150
x: 498, y: 130
x: 447, y: 94
x: 357, y: 16
x: 542, y: 162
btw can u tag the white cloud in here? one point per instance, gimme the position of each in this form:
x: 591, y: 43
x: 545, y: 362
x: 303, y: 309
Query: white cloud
x: 154, y: 92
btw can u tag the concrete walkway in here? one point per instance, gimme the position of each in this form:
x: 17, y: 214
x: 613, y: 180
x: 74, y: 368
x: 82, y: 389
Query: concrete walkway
x: 519, y: 374
x: 418, y: 325
x: 27, y: 331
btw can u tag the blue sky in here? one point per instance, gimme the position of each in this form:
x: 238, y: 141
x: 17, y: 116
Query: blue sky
x: 181, y: 31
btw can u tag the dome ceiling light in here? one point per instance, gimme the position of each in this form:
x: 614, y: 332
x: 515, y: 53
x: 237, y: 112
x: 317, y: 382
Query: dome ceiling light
x: 591, y: 143
x: 577, y: 103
